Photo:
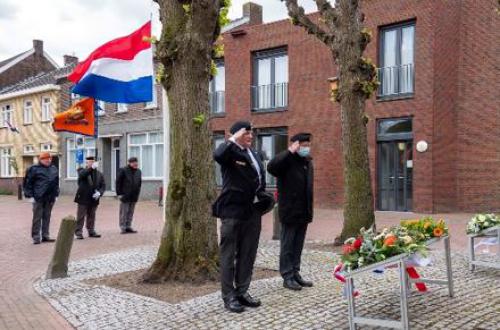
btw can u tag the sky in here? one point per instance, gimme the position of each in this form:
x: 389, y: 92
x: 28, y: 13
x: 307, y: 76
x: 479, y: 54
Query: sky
x: 77, y: 27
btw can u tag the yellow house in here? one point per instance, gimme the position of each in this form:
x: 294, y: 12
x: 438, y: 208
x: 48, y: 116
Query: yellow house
x: 26, y: 113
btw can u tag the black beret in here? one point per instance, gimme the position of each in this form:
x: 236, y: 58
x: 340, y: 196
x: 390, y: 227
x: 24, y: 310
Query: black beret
x: 301, y: 137
x: 90, y: 158
x: 132, y: 160
x: 239, y: 125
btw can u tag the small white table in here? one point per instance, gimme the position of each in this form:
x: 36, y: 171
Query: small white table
x: 404, y: 283
x: 487, y: 233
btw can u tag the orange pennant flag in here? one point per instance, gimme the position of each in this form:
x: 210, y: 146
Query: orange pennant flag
x: 79, y: 119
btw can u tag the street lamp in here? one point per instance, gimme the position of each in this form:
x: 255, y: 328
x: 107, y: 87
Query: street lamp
x: 334, y: 88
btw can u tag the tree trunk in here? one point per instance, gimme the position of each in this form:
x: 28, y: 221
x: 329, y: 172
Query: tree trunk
x: 358, y: 198
x: 188, y: 250
x: 342, y: 31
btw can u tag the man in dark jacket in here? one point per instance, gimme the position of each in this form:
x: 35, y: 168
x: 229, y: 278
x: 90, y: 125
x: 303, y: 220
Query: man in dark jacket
x: 128, y: 186
x: 294, y: 170
x: 41, y: 185
x: 243, y: 180
x: 91, y: 187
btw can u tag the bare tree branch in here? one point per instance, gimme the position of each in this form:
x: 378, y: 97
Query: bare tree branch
x: 299, y: 17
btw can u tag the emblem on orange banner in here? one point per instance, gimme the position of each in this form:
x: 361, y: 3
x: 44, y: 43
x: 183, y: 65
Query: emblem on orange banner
x: 80, y: 119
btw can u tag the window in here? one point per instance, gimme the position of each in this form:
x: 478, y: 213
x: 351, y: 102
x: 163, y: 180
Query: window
x: 45, y: 147
x: 6, y: 158
x: 46, y: 109
x: 7, y: 115
x: 101, y: 108
x: 154, y: 101
x: 218, y: 140
x: 75, y: 98
x: 121, y: 107
x: 270, y: 80
x: 87, y: 144
x: 148, y: 148
x: 28, y: 149
x: 396, y: 73
x: 28, y: 113
x: 269, y: 143
x: 216, y: 89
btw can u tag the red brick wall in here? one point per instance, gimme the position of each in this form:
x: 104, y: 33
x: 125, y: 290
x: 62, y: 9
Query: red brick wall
x: 454, y: 108
x: 478, y: 129
x: 28, y: 67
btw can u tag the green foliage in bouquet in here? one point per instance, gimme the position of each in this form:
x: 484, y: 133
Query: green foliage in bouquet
x: 481, y: 222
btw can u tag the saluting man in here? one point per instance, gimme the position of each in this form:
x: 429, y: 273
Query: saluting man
x: 293, y: 169
x: 91, y: 187
x: 240, y: 206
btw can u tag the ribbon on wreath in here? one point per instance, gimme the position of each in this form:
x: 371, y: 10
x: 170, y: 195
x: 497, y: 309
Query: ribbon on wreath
x: 412, y: 273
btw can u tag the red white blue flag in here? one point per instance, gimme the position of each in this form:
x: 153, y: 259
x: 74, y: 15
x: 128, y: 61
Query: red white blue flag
x: 120, y: 71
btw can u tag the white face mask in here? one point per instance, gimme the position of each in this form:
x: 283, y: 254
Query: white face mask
x: 304, y: 151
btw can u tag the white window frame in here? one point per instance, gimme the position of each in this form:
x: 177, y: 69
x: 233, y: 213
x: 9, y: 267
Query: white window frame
x: 28, y: 112
x: 7, y: 115
x: 46, y: 108
x: 46, y: 147
x: 28, y: 149
x: 75, y: 98
x: 154, y: 102
x: 102, y: 105
x: 140, y: 145
x: 6, y: 168
x: 121, y: 107
x: 70, y: 146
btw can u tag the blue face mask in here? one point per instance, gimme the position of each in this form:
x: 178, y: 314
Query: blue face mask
x: 304, y: 151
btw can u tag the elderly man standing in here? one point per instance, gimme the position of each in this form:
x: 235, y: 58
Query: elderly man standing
x: 240, y: 207
x: 294, y: 170
x: 41, y: 185
x: 91, y: 187
x: 128, y: 187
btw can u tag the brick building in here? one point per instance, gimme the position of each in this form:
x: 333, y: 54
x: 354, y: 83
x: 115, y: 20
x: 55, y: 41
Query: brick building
x: 439, y: 91
x: 25, y: 65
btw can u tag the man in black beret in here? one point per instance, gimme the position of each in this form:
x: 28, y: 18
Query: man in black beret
x: 293, y: 169
x: 128, y: 187
x: 91, y: 187
x: 240, y: 210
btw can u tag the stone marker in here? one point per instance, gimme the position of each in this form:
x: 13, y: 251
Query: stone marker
x: 58, y: 266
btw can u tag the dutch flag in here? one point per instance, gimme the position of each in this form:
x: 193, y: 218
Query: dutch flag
x: 120, y: 71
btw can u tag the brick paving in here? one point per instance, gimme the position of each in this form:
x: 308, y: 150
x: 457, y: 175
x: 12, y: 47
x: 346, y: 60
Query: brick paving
x: 22, y: 262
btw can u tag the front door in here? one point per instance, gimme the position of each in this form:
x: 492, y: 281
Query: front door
x: 115, y: 161
x: 395, y: 165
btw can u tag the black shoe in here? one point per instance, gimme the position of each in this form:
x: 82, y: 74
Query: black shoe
x: 79, y: 236
x: 36, y: 241
x: 130, y: 231
x: 292, y: 284
x: 94, y: 235
x: 302, y: 282
x: 48, y: 240
x: 123, y: 231
x: 233, y: 305
x: 249, y: 301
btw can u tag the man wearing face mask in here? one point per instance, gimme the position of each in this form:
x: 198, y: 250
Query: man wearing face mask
x: 293, y: 169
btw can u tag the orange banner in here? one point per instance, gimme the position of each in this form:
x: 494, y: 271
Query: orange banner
x: 79, y: 119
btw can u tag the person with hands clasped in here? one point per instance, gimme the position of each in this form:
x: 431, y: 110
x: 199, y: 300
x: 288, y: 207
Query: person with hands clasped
x: 91, y: 186
x: 240, y: 206
x: 293, y: 169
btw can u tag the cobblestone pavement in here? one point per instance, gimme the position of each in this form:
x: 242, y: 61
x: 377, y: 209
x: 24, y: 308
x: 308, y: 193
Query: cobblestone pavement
x: 21, y: 262
x: 86, y: 306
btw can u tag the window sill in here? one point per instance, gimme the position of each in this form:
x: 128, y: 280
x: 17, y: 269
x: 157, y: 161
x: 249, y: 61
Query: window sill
x: 70, y: 179
x: 45, y: 121
x: 151, y: 107
x: 218, y: 115
x: 27, y: 124
x: 121, y: 111
x: 261, y: 111
x: 397, y: 97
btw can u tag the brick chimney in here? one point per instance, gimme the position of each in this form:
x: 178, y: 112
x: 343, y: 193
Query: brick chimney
x: 38, y: 46
x: 70, y: 60
x: 254, y: 12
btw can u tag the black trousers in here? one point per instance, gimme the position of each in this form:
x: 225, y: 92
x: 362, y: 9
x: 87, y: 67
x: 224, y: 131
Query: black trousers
x: 291, y: 245
x: 85, y: 214
x: 41, y: 219
x: 238, y: 250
